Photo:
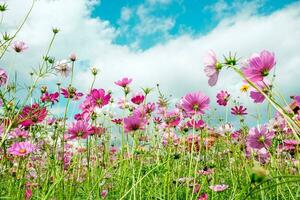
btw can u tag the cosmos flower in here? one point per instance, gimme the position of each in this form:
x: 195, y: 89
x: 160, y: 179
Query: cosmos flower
x: 288, y: 145
x: 206, y: 171
x: 171, y: 118
x: 203, y: 196
x: 212, y: 68
x: 297, y: 99
x: 259, y: 66
x: 19, y: 133
x: 31, y: 115
x: 170, y: 138
x: 223, y: 98
x: 195, y: 103
x: 260, y: 137
x: 244, y: 88
x: 134, y: 123
x: 199, y: 124
x: 63, y: 68
x: 218, y: 188
x: 117, y: 121
x: 3, y: 77
x: 79, y: 129
x: 21, y: 148
x: 98, y: 98
x: 19, y: 46
x: 50, y: 97
x: 71, y: 93
x: 124, y: 82
x: 239, y: 110
x: 256, y: 95
x: 262, y: 155
x: 225, y: 129
x: 138, y: 98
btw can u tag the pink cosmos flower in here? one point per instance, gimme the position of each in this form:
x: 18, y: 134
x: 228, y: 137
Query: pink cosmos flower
x: 134, y: 123
x: 71, y: 93
x: 31, y: 115
x: 138, y: 98
x: 195, y: 103
x: 256, y: 95
x: 3, y: 77
x: 104, y: 194
x: 79, y: 129
x: 239, y: 110
x: 288, y: 145
x: 223, y: 98
x: 297, y: 99
x: 144, y: 110
x: 203, y: 196
x: 212, y: 68
x: 206, y: 171
x: 262, y: 155
x: 51, y: 98
x: 117, y: 121
x: 98, y: 98
x: 28, y: 193
x: 218, y: 188
x: 259, y: 66
x: 21, y: 148
x: 97, y: 130
x: 172, y: 118
x: 260, y: 137
x: 121, y: 103
x: 196, y: 124
x: 19, y: 133
x: 19, y: 46
x: 170, y: 139
x: 124, y: 82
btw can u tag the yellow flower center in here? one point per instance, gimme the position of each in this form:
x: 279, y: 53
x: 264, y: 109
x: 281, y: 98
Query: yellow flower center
x: 22, y: 151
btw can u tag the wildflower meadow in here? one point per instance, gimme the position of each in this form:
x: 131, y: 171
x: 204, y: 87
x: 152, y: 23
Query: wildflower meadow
x: 143, y: 144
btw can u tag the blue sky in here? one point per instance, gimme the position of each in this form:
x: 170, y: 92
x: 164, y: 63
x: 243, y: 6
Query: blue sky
x: 187, y: 16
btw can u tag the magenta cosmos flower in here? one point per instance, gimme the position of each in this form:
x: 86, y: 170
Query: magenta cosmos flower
x: 218, y: 188
x: 196, y: 124
x: 256, y: 95
x: 260, y: 137
x: 124, y: 82
x: 195, y: 103
x: 223, y: 98
x: 239, y: 110
x: 297, y: 99
x: 79, y: 129
x: 203, y: 196
x: 19, y: 46
x: 19, y: 133
x: 138, y: 98
x: 134, y: 123
x: 21, y: 148
x: 31, y: 115
x: 212, y: 68
x: 259, y: 66
x: 98, y: 98
x: 3, y: 77
x: 50, y: 98
x: 71, y: 93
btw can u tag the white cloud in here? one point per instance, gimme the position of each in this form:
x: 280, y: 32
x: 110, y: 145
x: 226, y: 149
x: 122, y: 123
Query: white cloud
x: 175, y: 64
x: 126, y: 13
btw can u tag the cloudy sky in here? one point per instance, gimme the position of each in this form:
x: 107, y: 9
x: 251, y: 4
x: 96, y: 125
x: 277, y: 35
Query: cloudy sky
x: 158, y: 41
